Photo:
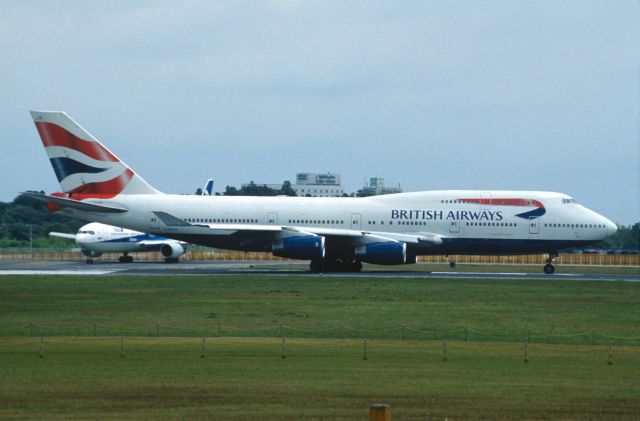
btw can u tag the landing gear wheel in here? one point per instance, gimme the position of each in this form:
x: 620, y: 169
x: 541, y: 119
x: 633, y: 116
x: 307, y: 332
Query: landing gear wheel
x: 125, y: 258
x: 550, y: 267
x: 452, y: 264
x: 89, y: 261
x: 357, y: 266
x: 316, y: 266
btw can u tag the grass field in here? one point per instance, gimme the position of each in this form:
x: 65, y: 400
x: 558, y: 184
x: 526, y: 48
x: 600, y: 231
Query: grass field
x: 243, y: 374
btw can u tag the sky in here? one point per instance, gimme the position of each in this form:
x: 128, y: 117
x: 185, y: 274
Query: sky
x: 491, y: 95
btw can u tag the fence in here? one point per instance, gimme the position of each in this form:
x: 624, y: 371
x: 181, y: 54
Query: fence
x: 220, y: 255
x: 465, y: 334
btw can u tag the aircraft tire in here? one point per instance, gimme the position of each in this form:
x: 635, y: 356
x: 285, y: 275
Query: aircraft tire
x: 549, y: 268
x: 316, y: 266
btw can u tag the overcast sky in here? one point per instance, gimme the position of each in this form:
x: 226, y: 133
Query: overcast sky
x: 433, y: 95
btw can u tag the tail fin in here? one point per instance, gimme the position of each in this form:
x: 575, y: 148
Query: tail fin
x: 85, y: 167
x: 208, y: 188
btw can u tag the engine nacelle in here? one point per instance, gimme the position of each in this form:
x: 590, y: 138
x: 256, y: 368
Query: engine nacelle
x: 306, y: 247
x: 91, y: 253
x: 172, y: 250
x: 388, y: 253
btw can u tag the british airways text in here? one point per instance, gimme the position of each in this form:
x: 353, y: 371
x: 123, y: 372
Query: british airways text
x: 458, y: 215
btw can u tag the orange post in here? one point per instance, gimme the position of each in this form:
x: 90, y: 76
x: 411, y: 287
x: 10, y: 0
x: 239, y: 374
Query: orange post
x: 380, y: 412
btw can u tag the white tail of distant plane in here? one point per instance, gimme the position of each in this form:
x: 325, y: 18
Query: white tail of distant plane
x: 85, y: 168
x: 208, y: 188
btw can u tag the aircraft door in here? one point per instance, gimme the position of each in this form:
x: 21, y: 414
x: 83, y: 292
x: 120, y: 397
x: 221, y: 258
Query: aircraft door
x: 485, y: 200
x: 272, y: 218
x: 153, y: 221
x: 454, y: 226
x: 355, y: 221
x: 534, y: 226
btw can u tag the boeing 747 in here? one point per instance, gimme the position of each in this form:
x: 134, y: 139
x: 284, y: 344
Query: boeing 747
x: 335, y: 234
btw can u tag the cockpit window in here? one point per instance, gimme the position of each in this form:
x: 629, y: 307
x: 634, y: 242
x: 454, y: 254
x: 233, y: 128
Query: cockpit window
x: 569, y: 200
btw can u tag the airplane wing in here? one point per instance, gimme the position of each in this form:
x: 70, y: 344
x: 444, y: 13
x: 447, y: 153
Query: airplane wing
x: 62, y: 235
x: 346, y: 237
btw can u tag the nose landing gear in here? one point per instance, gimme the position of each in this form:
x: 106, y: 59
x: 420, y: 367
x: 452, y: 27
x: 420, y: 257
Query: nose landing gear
x: 550, y: 267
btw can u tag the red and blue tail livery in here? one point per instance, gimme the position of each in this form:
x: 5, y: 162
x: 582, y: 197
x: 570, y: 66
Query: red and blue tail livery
x: 84, y: 167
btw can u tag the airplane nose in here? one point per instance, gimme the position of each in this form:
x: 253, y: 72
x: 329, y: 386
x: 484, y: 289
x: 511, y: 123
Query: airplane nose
x: 611, y: 228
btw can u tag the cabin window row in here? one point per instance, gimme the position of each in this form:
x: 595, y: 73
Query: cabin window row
x: 491, y: 224
x: 222, y: 220
x: 316, y: 221
x: 574, y: 225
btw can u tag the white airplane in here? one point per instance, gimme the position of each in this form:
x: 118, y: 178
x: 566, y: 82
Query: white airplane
x: 334, y: 233
x: 95, y: 238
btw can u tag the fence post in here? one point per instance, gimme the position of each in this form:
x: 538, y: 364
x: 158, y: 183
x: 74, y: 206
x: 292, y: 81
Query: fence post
x: 42, y: 347
x: 380, y: 412
x: 364, y: 356
x: 610, y: 360
x: 444, y: 350
x: 526, y: 351
x: 283, y: 353
x: 122, y: 347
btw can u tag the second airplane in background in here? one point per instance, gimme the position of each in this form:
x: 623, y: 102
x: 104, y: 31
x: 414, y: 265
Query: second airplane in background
x: 95, y: 238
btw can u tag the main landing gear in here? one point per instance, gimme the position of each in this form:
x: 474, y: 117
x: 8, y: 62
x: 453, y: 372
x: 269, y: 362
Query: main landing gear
x: 125, y: 258
x: 324, y: 265
x: 550, y: 267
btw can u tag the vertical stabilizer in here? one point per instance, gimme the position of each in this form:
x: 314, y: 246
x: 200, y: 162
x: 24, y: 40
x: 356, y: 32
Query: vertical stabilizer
x: 84, y: 167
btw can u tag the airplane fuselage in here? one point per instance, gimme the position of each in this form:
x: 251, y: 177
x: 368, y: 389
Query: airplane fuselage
x: 469, y: 222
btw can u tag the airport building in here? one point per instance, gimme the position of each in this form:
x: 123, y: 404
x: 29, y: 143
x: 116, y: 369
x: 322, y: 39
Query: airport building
x: 376, y: 187
x: 312, y: 184
x: 318, y: 185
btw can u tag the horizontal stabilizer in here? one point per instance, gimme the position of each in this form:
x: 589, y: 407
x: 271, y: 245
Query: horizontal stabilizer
x: 62, y: 235
x: 74, y: 204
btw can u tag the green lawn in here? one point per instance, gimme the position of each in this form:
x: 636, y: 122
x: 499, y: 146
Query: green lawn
x: 243, y: 374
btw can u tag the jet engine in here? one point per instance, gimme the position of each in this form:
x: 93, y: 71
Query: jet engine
x: 172, y: 250
x: 387, y: 253
x: 305, y: 247
x: 91, y: 253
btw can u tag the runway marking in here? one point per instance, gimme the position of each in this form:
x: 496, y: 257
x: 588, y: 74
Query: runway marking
x: 57, y: 272
x: 500, y: 274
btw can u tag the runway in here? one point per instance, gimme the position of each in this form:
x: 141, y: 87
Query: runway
x: 217, y: 268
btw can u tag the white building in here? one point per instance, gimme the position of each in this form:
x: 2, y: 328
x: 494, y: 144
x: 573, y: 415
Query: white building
x: 318, y: 185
